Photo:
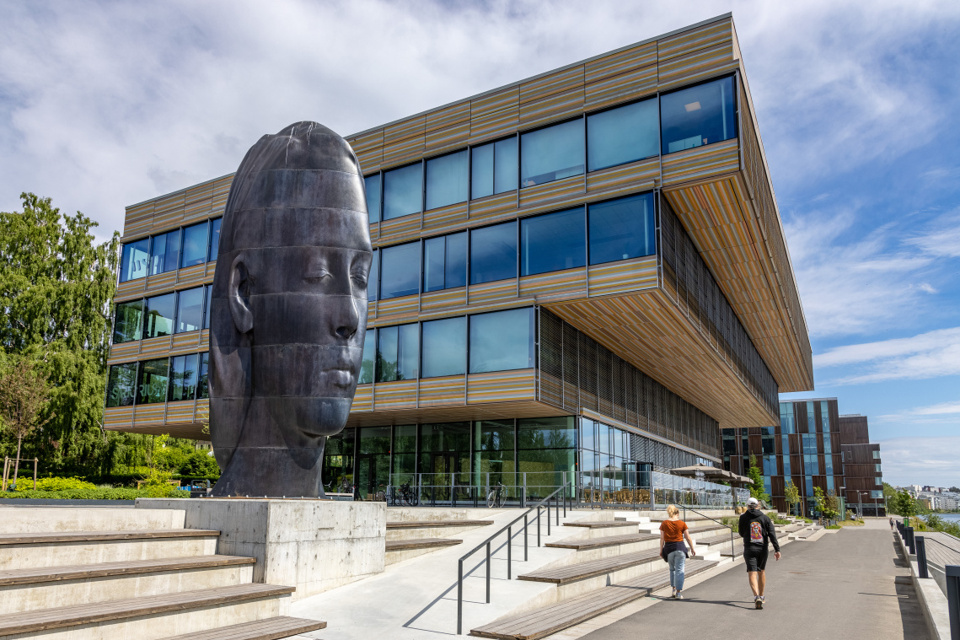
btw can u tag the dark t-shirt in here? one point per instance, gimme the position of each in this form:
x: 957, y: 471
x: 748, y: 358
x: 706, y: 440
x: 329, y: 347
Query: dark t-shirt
x: 757, y: 529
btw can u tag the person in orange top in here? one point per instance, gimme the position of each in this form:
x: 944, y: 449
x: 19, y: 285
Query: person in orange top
x: 673, y: 531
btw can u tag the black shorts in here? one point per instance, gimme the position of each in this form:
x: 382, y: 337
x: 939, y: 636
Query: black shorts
x: 755, y: 556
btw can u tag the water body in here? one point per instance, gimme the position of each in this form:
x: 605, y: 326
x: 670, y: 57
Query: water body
x: 951, y: 517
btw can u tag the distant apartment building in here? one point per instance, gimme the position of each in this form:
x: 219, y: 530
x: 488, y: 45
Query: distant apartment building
x: 813, y: 446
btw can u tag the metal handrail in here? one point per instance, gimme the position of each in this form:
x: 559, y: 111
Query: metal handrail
x: 733, y: 550
x: 509, y: 529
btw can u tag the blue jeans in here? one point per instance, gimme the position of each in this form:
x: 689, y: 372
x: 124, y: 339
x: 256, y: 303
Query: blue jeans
x: 676, y: 560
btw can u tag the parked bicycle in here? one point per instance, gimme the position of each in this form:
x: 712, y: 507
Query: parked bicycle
x: 405, y: 496
x: 497, y: 496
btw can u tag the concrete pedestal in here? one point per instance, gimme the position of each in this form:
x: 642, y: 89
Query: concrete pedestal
x: 313, y: 545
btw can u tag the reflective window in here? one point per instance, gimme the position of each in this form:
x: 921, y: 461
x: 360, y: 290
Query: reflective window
x: 494, y: 168
x: 552, y: 153
x: 369, y: 357
x: 374, y: 280
x: 447, y: 180
x: 194, y: 245
x: 158, y: 315
x: 622, y: 229
x: 214, y: 248
x: 545, y: 433
x: 402, y: 191
x: 502, y: 341
x: 152, y: 385
x: 493, y: 253
x: 127, y: 321
x: 553, y: 242
x: 203, y: 386
x: 121, y: 385
x: 135, y: 259
x: 165, y: 252
x: 786, y: 418
x: 444, y: 347
x: 398, y: 352
x: 445, y: 262
x: 825, y: 416
x: 622, y: 135
x: 372, y: 187
x: 190, y: 310
x: 698, y: 115
x: 183, y: 377
x: 207, y: 295
x: 400, y: 272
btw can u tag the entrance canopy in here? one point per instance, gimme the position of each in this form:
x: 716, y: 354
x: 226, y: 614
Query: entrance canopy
x: 711, y: 473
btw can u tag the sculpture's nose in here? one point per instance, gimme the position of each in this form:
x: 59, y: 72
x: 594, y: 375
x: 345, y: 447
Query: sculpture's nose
x: 348, y: 320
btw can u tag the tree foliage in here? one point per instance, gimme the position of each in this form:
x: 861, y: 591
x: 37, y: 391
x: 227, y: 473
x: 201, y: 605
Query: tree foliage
x: 757, y: 490
x: 792, y: 494
x: 56, y: 288
x: 24, y: 395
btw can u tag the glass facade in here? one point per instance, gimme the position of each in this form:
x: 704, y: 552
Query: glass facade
x: 447, y: 180
x: 159, y: 312
x: 122, y: 385
x: 493, y: 168
x: 128, y: 321
x: 134, y: 260
x: 153, y: 380
x: 398, y: 352
x: 445, y: 262
x: 621, y: 135
x: 165, y: 252
x: 186, y: 247
x: 400, y: 270
x: 502, y: 340
x: 195, y: 245
x: 552, y: 153
x: 493, y: 253
x: 698, y: 115
x: 189, y: 310
x: 183, y: 377
x: 372, y: 188
x: 622, y: 229
x: 403, y: 191
x: 553, y: 242
x: 444, y: 347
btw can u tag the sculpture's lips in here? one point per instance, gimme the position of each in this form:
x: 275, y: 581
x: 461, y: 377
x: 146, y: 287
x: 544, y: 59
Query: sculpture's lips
x: 340, y: 377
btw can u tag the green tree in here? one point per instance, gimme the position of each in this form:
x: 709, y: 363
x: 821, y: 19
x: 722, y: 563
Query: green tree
x: 56, y: 288
x: 792, y: 495
x: 756, y: 475
x: 904, y: 504
x: 24, y: 396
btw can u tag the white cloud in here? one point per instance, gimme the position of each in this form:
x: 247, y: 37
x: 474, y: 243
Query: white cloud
x: 942, y: 238
x: 928, y: 355
x: 916, y: 460
x: 943, y: 413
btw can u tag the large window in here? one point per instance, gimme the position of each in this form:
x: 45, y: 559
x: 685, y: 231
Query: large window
x: 165, y: 252
x: 190, y: 310
x: 493, y: 168
x: 444, y: 347
x: 122, y: 385
x: 402, y: 191
x: 372, y: 187
x: 622, y: 135
x: 622, y: 229
x: 127, y: 321
x: 445, y: 262
x: 207, y: 298
x: 552, y: 153
x: 494, y: 451
x: 368, y: 362
x: 502, y: 341
x: 400, y: 272
x: 183, y: 377
x: 194, y: 245
x: 373, y: 282
x: 553, y: 242
x: 159, y: 314
x: 214, y: 239
x: 135, y: 259
x: 447, y: 180
x: 493, y: 253
x: 398, y: 352
x: 203, y: 384
x: 698, y: 115
x: 152, y: 386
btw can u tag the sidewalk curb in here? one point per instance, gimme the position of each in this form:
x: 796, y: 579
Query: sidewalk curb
x: 936, y: 611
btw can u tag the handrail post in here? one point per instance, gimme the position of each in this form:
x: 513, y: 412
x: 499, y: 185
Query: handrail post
x: 488, y: 572
x: 460, y: 597
x: 523, y: 503
x: 526, y: 549
x: 952, y: 572
x: 920, y: 543
x: 538, y: 526
x: 509, y: 553
x: 548, y: 519
x: 453, y: 490
x: 910, y: 540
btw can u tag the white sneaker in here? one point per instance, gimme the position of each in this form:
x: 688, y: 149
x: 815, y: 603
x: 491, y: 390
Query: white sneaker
x: 679, y: 596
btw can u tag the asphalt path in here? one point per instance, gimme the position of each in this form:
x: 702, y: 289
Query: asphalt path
x: 849, y: 585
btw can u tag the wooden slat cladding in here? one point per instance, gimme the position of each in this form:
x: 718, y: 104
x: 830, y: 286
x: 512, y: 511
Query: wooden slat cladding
x: 719, y: 32
x: 401, y: 394
x: 445, y: 299
x: 369, y: 150
x: 448, y: 390
x: 623, y: 179
x: 707, y: 161
x: 501, y: 386
x: 494, y: 114
x: 445, y: 219
x: 557, y: 191
x: 397, y: 310
x: 557, y: 285
x: 362, y: 399
x: 559, y: 106
x: 613, y: 64
x: 399, y: 230
x: 624, y: 276
x: 625, y: 87
x: 138, y: 219
x: 494, y: 208
x: 447, y: 128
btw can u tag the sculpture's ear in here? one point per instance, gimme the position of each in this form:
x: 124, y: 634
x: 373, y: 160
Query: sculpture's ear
x: 238, y: 295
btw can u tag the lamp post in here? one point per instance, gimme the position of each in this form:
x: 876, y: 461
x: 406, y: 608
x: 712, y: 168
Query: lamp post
x: 860, y: 500
x: 843, y: 492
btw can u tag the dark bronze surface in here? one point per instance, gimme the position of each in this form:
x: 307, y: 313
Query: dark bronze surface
x: 288, y: 312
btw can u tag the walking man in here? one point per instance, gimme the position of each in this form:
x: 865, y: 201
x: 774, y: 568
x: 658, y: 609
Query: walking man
x: 758, y: 532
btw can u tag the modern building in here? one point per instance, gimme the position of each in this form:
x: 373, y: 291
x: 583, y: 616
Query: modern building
x: 813, y: 446
x: 579, y: 275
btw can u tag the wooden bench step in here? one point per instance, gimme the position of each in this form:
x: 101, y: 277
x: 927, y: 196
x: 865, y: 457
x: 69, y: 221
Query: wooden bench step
x: 721, y: 539
x: 422, y: 543
x: 434, y: 524
x: 545, y: 621
x: 605, y: 524
x: 75, y: 615
x: 584, y: 570
x: 599, y: 543
x: 114, y: 569
x: 268, y: 629
x: 9, y: 539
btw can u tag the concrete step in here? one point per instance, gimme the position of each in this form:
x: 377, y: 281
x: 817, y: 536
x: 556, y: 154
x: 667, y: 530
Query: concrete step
x: 41, y: 588
x: 400, y: 550
x: 609, y: 541
x: 545, y: 621
x: 412, y: 530
x: 93, y: 547
x: 43, y: 519
x: 152, y: 617
x: 268, y: 629
x: 577, y: 579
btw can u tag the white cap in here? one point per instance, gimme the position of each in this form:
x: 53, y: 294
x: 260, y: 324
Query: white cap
x: 752, y: 502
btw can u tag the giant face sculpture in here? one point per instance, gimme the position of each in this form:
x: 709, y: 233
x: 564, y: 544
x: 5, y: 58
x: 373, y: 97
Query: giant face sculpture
x: 288, y: 312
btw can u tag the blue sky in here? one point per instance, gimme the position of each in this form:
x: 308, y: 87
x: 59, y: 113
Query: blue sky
x: 107, y: 104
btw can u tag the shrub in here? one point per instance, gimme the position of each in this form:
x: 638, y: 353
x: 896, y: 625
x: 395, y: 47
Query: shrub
x: 54, y: 484
x: 200, y: 465
x: 99, y: 494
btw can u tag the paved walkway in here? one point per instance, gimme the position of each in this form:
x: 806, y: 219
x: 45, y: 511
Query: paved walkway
x: 848, y: 584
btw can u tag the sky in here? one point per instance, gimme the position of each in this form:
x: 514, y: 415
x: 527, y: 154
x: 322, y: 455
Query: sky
x: 106, y: 104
